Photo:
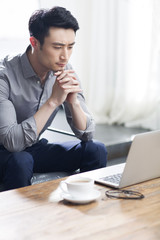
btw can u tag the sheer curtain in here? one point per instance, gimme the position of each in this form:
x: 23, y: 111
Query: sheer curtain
x: 124, y: 82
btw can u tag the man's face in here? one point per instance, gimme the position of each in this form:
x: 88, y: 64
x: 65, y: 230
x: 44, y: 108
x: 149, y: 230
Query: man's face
x: 56, y: 50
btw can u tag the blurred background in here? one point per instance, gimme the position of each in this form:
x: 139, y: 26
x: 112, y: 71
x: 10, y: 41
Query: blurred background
x: 116, y: 56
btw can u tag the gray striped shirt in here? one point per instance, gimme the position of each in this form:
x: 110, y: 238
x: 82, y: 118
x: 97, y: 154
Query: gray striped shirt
x: 21, y: 95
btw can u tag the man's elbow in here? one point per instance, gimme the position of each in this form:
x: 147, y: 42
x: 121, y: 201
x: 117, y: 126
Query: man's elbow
x: 87, y: 136
x: 13, y: 146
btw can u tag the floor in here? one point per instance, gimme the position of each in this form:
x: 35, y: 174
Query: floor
x: 116, y: 138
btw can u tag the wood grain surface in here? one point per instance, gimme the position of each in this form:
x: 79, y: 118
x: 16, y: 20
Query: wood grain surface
x: 38, y: 212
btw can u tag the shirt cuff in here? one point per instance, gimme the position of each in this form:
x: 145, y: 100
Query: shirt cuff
x: 87, y: 134
x: 30, y: 131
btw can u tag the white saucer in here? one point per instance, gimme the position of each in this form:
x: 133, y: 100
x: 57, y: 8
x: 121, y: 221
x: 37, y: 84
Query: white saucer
x: 92, y: 197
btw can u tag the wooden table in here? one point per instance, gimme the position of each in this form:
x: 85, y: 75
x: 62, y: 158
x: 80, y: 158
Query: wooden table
x: 37, y: 212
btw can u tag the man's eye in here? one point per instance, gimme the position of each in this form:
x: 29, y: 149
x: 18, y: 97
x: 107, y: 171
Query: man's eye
x: 57, y: 47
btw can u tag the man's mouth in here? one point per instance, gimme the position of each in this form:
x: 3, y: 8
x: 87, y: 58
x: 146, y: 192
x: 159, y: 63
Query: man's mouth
x: 61, y: 64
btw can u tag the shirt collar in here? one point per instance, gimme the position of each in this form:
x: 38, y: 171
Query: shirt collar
x: 26, y: 66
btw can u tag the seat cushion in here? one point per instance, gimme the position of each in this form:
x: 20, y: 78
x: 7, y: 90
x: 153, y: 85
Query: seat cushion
x: 43, y: 177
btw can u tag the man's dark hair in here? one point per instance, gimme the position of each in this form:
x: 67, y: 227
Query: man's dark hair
x: 41, y: 20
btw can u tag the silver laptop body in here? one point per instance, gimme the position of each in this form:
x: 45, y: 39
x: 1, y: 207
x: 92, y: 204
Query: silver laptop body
x: 142, y: 163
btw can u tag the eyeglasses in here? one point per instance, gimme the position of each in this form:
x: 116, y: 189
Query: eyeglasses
x: 124, y: 194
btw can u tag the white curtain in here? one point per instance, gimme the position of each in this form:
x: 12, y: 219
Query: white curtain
x: 124, y: 83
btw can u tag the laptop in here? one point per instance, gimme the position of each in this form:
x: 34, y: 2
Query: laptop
x: 142, y: 163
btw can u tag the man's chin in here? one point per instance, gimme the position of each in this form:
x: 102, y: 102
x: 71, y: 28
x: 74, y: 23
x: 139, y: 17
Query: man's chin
x: 56, y: 69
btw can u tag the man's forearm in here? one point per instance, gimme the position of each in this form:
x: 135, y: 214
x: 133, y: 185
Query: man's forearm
x: 78, y: 116
x: 43, y: 114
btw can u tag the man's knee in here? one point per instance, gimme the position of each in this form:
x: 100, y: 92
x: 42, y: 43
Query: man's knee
x: 95, y: 154
x: 21, y: 160
x: 18, y: 170
x: 99, y: 150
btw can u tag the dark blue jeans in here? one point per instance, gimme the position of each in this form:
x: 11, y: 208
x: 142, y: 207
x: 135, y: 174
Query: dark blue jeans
x: 17, y: 168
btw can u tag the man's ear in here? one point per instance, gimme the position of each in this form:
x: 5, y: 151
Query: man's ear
x: 34, y: 42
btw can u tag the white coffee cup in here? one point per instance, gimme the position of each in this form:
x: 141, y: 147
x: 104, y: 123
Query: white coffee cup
x: 78, y: 187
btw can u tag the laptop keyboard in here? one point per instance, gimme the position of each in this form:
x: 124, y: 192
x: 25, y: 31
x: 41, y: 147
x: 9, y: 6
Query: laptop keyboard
x: 113, y: 178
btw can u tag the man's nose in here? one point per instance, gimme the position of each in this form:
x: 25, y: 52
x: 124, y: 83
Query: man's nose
x: 64, y: 55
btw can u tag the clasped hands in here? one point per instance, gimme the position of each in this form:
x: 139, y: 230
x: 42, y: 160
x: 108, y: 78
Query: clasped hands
x: 65, y: 87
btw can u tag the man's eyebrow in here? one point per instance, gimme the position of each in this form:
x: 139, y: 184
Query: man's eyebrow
x: 62, y: 44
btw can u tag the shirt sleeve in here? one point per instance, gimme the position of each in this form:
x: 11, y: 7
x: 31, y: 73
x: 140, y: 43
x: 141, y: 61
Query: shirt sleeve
x: 13, y: 136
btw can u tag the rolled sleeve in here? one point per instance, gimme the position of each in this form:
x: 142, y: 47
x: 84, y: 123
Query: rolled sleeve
x: 88, y: 133
x: 30, y: 131
x: 13, y: 136
x: 16, y: 137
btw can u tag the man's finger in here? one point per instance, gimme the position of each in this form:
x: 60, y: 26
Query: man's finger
x: 62, y: 74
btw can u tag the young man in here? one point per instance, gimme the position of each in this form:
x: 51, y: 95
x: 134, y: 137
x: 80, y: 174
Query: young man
x: 33, y: 86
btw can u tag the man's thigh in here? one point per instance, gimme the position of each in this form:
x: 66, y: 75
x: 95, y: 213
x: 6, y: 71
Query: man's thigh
x: 57, y: 156
x: 4, y: 155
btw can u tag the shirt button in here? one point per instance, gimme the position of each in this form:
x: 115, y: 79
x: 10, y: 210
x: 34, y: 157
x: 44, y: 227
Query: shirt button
x: 38, y: 82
